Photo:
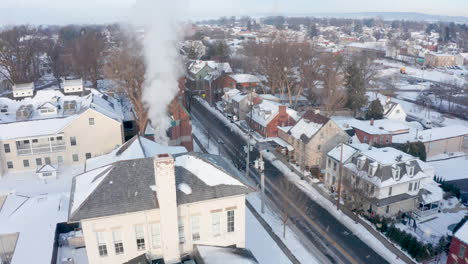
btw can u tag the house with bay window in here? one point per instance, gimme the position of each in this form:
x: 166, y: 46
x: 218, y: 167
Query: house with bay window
x: 159, y: 208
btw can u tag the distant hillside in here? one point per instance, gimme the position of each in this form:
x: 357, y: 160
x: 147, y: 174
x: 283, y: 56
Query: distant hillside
x: 414, y: 16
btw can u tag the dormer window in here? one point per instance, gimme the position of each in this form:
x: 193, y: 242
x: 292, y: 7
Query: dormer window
x: 396, y: 171
x: 373, y: 169
x: 410, y: 169
x: 361, y: 161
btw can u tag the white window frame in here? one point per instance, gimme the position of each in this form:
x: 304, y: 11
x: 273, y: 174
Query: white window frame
x: 155, y: 235
x: 101, y: 242
x: 91, y: 121
x: 140, y: 237
x: 231, y: 220
x: 118, y: 243
x: 216, y: 223
x: 195, y: 227
x: 181, y: 230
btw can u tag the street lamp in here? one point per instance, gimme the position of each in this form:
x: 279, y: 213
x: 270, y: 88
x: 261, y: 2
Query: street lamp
x: 260, y: 166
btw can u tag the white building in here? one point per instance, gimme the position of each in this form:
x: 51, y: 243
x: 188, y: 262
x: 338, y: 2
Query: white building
x: 73, y: 86
x: 394, y: 111
x: 161, y: 207
x: 52, y: 128
x: 391, y: 181
x: 23, y: 90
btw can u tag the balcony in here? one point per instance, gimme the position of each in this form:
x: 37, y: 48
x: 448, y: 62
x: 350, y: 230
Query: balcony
x: 40, y: 149
x: 425, y: 211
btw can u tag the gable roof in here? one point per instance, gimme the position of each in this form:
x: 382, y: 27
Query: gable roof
x: 244, y: 78
x: 46, y: 168
x: 462, y: 233
x: 124, y: 186
x: 308, y: 125
x: 136, y: 148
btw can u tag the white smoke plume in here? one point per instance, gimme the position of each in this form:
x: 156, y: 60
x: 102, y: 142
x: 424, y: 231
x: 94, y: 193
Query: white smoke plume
x: 162, y: 32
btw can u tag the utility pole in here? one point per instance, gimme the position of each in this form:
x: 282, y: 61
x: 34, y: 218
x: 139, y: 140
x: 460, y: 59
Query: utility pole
x: 260, y: 166
x: 340, y: 178
x: 247, y: 169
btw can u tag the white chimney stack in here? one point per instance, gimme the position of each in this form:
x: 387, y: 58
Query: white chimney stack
x: 164, y: 173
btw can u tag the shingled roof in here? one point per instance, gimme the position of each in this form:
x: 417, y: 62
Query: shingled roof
x: 124, y: 187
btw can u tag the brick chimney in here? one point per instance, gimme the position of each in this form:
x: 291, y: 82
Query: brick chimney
x: 282, y: 109
x: 372, y: 122
x: 164, y: 173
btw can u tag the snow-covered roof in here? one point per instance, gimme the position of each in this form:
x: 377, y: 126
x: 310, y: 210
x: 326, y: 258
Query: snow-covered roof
x: 35, y: 219
x: 74, y: 82
x: 229, y: 94
x: 93, y: 98
x: 385, y: 156
x: 23, y: 86
x: 348, y: 152
x: 136, y: 148
x: 264, y: 112
x: 244, y: 78
x: 34, y: 128
x: 433, y: 134
x: 225, y: 255
x: 308, y: 125
x: 205, y: 171
x: 433, y: 192
x: 47, y: 168
x: 376, y: 45
x: 380, y: 127
x: 462, y: 233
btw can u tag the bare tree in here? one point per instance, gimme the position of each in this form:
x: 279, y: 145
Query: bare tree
x: 126, y: 68
x: 332, y: 76
x: 56, y: 59
x: 18, y: 54
x: 357, y: 191
x: 290, y: 194
x: 88, y: 55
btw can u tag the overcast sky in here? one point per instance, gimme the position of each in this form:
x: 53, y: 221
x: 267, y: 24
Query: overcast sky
x: 104, y: 11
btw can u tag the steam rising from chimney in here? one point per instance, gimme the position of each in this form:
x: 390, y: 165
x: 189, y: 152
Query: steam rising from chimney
x: 160, y: 20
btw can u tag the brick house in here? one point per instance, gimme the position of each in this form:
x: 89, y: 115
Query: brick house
x: 378, y: 132
x: 240, y: 81
x: 458, y: 252
x: 313, y: 137
x: 266, y: 117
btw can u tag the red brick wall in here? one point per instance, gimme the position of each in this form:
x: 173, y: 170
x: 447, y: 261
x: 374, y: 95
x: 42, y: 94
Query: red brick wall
x: 453, y: 257
x: 183, y: 129
x: 282, y: 119
x: 376, y: 139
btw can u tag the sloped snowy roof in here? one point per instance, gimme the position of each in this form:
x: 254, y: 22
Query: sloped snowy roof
x: 264, y: 112
x: 47, y: 168
x: 433, y: 193
x: 244, y: 78
x: 462, y: 233
x: 433, y: 134
x: 380, y: 127
x: 136, y: 148
x: 225, y: 255
x: 348, y: 152
x: 124, y: 186
x: 23, y: 86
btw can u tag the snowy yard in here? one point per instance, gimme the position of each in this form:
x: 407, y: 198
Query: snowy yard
x: 430, y: 231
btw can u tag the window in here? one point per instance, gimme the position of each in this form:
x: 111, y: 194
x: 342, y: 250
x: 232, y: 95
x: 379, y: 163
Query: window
x: 73, y: 141
x: 461, y: 252
x: 59, y: 159
x: 26, y: 163
x: 91, y: 121
x: 230, y: 221
x: 372, y: 190
x: 156, y: 235
x: 334, y: 166
x: 216, y: 223
x: 317, y: 162
x: 88, y: 155
x: 195, y: 224
x: 140, y: 237
x: 329, y: 163
x: 102, y: 247
x: 387, y: 209
x: 319, y: 147
x: 181, y: 230
x: 410, y: 187
x: 75, y: 157
x: 118, y: 244
x: 35, y: 141
x: 46, y: 174
x: 9, y: 164
x: 365, y: 139
x: 47, y: 160
x: 389, y: 191
x: 59, y: 138
x: 39, y: 162
x: 387, y: 140
x: 416, y: 184
x: 6, y: 147
x: 334, y: 180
